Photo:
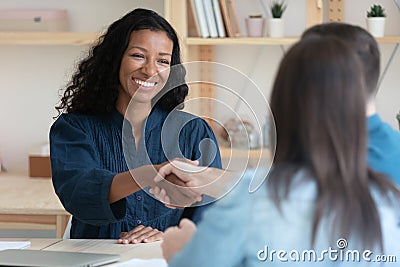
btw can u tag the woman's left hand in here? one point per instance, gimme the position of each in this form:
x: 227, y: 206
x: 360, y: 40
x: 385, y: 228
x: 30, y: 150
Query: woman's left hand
x: 140, y: 234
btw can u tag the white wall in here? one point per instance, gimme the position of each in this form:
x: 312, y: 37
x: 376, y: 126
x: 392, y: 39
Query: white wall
x: 260, y: 62
x: 31, y: 76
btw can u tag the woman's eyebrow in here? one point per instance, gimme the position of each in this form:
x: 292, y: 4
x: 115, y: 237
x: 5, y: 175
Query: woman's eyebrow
x: 145, y: 50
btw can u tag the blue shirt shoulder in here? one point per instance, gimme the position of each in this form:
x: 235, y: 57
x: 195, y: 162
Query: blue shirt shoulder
x: 384, y: 148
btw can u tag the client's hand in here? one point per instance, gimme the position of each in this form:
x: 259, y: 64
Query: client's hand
x: 175, y: 238
x: 140, y: 234
x: 179, y: 195
x: 202, y: 180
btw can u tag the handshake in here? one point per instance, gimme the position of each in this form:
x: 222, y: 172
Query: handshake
x: 182, y: 183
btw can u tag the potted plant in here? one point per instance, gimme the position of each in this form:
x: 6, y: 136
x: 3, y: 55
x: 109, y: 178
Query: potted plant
x: 376, y: 17
x: 255, y: 25
x: 398, y: 118
x: 276, y: 24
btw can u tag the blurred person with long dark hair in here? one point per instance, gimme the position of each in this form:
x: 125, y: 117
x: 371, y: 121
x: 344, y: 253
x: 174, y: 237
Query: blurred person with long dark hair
x: 320, y: 195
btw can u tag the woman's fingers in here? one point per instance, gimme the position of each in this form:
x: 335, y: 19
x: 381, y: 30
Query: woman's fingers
x: 153, y: 236
x: 140, y: 234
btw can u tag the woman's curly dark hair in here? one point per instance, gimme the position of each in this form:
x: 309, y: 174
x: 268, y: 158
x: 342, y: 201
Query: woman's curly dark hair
x: 93, y: 88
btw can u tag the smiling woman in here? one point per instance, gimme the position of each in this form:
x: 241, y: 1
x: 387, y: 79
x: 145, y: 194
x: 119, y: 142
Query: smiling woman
x: 143, y: 73
x: 132, y: 79
x: 144, y: 67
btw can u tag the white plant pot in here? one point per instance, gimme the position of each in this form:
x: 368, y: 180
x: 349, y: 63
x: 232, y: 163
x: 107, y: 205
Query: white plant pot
x: 276, y: 28
x: 376, y: 26
x: 255, y: 27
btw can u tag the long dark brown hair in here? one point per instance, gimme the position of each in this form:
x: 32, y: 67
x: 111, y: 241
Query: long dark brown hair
x: 318, y: 102
x: 93, y: 88
x: 361, y: 41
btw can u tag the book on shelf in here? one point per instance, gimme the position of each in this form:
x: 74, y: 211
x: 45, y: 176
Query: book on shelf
x: 233, y: 17
x: 201, y: 17
x: 229, y: 17
x: 210, y: 18
x: 193, y: 20
x: 218, y: 18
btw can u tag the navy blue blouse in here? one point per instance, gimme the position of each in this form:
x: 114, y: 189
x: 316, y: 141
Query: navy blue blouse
x: 88, y: 151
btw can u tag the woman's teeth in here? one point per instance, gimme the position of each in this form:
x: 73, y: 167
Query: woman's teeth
x: 145, y: 84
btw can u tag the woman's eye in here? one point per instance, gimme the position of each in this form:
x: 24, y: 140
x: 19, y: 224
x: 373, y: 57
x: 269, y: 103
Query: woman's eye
x: 137, y: 56
x: 164, y: 61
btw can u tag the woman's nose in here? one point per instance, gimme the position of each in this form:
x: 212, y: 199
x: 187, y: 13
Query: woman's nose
x: 150, y: 68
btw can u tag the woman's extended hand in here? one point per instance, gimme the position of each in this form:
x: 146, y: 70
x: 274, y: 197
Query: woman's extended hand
x: 175, y: 238
x: 179, y: 195
x: 140, y: 234
x: 201, y: 180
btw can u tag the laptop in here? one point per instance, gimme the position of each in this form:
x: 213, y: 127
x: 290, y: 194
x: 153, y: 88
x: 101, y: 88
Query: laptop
x: 48, y: 258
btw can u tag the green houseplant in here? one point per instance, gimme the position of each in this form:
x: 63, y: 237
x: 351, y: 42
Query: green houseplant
x: 398, y: 118
x: 376, y: 18
x: 277, y: 7
x: 276, y: 23
x: 376, y: 11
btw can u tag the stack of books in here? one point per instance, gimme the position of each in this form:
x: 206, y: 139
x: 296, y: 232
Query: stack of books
x: 212, y: 19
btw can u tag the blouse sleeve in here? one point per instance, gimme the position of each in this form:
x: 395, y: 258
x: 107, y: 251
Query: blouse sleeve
x: 79, y: 182
x: 203, y: 144
x: 220, y: 239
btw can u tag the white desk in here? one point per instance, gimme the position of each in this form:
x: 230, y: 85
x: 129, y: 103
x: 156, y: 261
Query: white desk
x: 30, y: 203
x: 127, y: 252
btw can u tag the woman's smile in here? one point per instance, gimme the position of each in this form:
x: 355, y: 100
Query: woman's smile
x: 146, y: 85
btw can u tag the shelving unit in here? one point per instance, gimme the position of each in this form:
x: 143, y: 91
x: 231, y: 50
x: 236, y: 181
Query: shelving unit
x: 202, y: 49
x: 87, y: 38
x: 266, y: 41
x: 47, y: 38
x: 175, y: 12
x: 241, y: 41
x: 227, y: 152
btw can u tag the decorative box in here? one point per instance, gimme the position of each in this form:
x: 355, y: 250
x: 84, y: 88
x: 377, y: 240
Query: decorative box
x: 33, y: 20
x: 39, y: 162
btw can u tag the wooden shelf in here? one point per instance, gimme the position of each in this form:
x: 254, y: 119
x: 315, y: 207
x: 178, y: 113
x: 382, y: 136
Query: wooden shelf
x: 48, y: 38
x: 241, y: 41
x: 388, y: 40
x: 266, y: 41
x: 227, y: 152
x: 87, y: 38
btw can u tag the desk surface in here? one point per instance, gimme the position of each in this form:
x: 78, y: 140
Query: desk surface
x: 36, y: 243
x: 127, y: 252
x: 24, y: 195
x: 141, y: 251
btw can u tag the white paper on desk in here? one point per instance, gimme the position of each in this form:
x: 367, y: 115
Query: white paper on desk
x: 142, y: 263
x: 14, y: 244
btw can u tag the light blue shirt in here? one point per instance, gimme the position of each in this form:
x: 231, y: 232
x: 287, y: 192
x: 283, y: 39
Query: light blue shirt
x: 384, y: 148
x: 247, y: 229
